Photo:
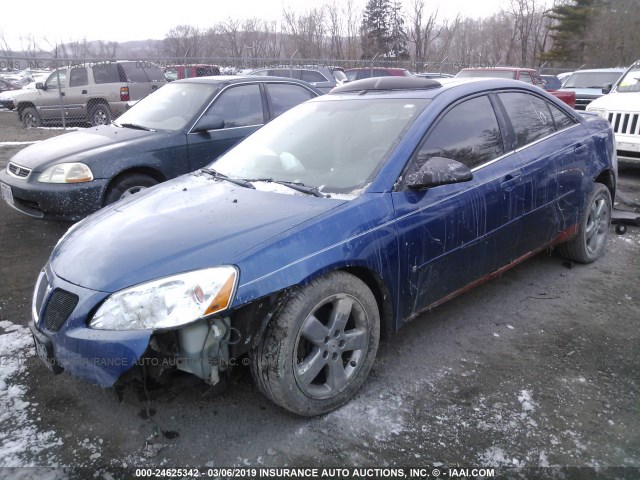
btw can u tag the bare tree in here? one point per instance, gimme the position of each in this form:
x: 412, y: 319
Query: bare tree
x: 335, y: 30
x: 183, y: 41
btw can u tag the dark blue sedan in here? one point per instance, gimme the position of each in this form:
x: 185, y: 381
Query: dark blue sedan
x: 345, y: 217
x: 179, y: 128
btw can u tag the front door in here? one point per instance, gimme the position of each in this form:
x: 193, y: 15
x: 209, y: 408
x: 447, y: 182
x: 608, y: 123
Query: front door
x: 241, y: 110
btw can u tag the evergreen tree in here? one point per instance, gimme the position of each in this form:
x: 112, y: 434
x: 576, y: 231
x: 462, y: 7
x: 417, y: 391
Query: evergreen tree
x: 376, y: 28
x: 398, y: 41
x: 571, y: 20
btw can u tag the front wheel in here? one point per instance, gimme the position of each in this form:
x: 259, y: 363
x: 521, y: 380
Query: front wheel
x: 128, y: 185
x: 31, y: 118
x: 592, y: 229
x: 100, y: 114
x: 319, y: 350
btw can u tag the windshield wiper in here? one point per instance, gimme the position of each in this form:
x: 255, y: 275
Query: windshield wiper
x: 298, y: 186
x: 135, y: 126
x: 222, y: 176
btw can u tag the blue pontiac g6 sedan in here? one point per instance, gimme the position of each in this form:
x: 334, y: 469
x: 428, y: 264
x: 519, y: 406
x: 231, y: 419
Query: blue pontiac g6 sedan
x: 345, y: 217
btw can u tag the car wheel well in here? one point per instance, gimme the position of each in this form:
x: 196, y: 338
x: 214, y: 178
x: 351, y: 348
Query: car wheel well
x: 95, y: 101
x: 382, y: 296
x: 21, y: 106
x: 155, y: 174
x: 608, y: 179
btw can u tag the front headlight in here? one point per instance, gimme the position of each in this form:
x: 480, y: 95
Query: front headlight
x: 169, y: 302
x: 66, y: 173
x: 598, y: 111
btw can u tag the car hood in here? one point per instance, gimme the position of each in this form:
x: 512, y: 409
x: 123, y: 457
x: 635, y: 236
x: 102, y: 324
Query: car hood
x: 74, y: 146
x: 583, y: 92
x: 623, y: 102
x: 185, y: 224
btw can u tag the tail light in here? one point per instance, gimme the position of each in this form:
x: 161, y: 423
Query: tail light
x: 124, y: 94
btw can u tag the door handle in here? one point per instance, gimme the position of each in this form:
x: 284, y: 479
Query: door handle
x: 509, y: 182
x: 84, y: 92
x: 580, y: 149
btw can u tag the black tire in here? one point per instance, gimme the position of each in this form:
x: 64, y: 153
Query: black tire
x: 128, y: 185
x: 31, y: 118
x: 592, y: 228
x: 99, y: 114
x: 316, y: 354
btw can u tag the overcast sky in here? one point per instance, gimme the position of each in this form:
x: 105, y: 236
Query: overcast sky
x: 136, y: 20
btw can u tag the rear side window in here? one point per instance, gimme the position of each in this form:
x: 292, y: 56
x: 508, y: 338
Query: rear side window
x: 106, y: 73
x: 78, y: 77
x: 239, y: 106
x: 530, y: 116
x: 134, y: 73
x: 283, y: 96
x: 283, y: 72
x: 525, y: 77
x: 155, y: 74
x: 468, y: 133
x: 312, y: 76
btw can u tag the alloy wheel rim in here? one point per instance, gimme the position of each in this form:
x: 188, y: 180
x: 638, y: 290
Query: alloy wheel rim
x: 331, y: 346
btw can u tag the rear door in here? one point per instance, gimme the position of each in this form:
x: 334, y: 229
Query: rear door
x: 76, y: 94
x: 241, y: 108
x: 551, y: 149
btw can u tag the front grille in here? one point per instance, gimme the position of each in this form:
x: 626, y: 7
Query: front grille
x: 18, y: 171
x: 38, y: 296
x: 625, y: 123
x: 60, y: 306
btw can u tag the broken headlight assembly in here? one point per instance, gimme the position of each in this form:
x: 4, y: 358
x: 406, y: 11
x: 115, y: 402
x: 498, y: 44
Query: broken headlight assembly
x: 168, y: 302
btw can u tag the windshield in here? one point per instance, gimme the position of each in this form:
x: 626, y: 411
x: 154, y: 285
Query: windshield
x: 591, y: 79
x: 171, y: 107
x: 337, y: 146
x: 631, y: 81
x: 487, y: 73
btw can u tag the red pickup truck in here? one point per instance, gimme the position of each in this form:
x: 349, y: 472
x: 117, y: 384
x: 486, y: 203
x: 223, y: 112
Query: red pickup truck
x: 528, y: 75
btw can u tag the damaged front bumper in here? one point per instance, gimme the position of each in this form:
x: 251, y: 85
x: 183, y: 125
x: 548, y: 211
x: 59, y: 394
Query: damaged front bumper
x: 64, y: 341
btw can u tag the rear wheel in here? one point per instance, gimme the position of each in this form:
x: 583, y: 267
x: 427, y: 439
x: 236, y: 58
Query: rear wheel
x: 318, y: 352
x: 128, y: 185
x: 592, y: 229
x: 100, y: 114
x: 31, y: 118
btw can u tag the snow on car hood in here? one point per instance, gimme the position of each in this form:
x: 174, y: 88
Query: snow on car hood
x: 75, y: 145
x: 185, y: 224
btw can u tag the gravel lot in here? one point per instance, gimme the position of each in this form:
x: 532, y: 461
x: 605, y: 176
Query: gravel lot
x: 539, y: 368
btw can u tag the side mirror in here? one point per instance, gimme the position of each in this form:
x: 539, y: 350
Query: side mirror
x: 209, y: 122
x: 438, y: 171
x: 40, y: 86
x: 606, y: 88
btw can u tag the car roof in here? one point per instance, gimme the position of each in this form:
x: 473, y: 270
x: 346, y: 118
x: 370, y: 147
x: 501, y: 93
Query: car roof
x: 229, y: 79
x: 591, y: 70
x: 420, y: 87
x: 508, y: 69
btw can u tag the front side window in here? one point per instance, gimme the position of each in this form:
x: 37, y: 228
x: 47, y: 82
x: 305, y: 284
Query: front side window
x: 57, y: 78
x: 239, y: 106
x: 468, y: 133
x: 631, y: 81
x: 529, y: 115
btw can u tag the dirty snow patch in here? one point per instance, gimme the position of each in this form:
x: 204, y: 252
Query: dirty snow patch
x: 22, y: 443
x: 528, y: 405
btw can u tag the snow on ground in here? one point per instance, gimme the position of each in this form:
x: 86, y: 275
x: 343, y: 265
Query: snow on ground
x: 22, y: 442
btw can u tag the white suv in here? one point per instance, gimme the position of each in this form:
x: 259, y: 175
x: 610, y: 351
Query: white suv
x: 622, y: 108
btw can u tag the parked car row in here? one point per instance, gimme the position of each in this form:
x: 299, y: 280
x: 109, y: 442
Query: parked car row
x: 346, y: 216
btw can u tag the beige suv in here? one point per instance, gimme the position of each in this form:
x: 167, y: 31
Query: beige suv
x: 92, y: 93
